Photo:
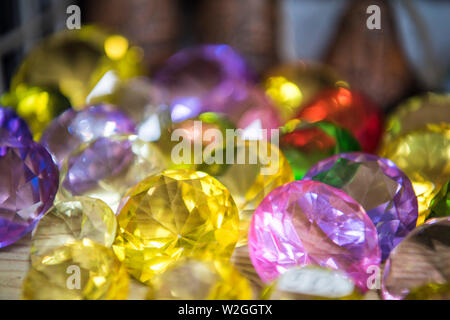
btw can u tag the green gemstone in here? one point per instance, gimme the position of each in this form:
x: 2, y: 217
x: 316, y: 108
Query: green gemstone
x: 432, y: 291
x: 440, y: 204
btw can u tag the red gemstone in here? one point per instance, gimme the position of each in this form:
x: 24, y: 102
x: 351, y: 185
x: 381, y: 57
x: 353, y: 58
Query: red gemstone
x: 349, y: 109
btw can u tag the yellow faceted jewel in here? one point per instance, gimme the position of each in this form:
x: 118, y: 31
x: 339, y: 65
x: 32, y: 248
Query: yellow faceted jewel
x: 177, y: 213
x: 190, y: 279
x: 83, y: 270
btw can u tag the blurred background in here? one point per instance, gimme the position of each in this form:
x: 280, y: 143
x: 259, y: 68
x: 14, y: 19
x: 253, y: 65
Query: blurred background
x: 414, y: 35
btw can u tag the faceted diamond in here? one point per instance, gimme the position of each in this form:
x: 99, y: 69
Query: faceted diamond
x: 310, y: 223
x: 174, y: 214
x: 28, y: 184
x: 292, y: 86
x: 423, y: 156
x: 440, y: 204
x: 13, y: 124
x: 349, y: 109
x: 72, y: 128
x: 312, y: 283
x: 383, y: 190
x: 54, y: 277
x: 191, y: 279
x: 422, y: 258
x: 304, y: 144
x: 257, y: 167
x: 69, y: 221
x: 107, y: 167
x: 83, y: 64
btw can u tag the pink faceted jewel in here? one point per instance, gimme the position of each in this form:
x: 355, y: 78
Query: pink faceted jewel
x: 308, y: 222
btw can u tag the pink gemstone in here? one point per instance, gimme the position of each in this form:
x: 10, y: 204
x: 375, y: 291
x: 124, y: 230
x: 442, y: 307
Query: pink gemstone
x: 307, y: 222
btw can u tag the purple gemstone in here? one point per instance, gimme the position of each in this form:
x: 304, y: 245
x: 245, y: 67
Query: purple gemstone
x: 202, y: 78
x: 28, y: 184
x: 13, y: 124
x: 383, y: 190
x: 70, y: 129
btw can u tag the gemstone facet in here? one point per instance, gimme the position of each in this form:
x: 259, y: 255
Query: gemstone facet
x: 383, y: 190
x: 308, y: 222
x: 69, y: 221
x: 191, y: 279
x: 82, y: 270
x: 72, y: 128
x: 177, y: 213
x: 422, y: 258
x: 440, y: 204
x: 13, y: 124
x: 28, y: 184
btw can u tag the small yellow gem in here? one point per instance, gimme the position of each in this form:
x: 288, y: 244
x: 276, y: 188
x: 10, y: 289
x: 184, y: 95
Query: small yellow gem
x: 174, y: 214
x: 190, y: 279
x: 82, y: 270
x: 69, y: 221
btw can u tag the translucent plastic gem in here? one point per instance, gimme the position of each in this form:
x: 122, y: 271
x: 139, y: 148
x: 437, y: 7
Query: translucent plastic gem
x: 440, y: 204
x: 107, y: 167
x: 82, y: 270
x: 13, y: 124
x: 423, y: 155
x: 174, y: 214
x: 72, y: 128
x: 191, y: 279
x: 310, y: 223
x: 304, y: 144
x: 69, y: 221
x: 28, y: 184
x: 381, y: 188
x: 422, y: 258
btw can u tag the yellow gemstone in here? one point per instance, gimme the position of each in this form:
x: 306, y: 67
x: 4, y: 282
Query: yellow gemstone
x: 80, y: 64
x: 424, y: 156
x: 417, y: 112
x: 36, y: 105
x: 312, y: 283
x: 191, y: 279
x: 82, y: 270
x: 70, y: 221
x: 107, y: 167
x: 174, y: 214
x: 257, y: 167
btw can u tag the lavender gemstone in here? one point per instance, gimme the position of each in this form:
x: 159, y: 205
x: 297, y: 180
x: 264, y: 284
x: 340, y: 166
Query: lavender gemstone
x: 383, y: 190
x: 72, y: 128
x: 203, y: 78
x: 13, y: 124
x: 28, y: 184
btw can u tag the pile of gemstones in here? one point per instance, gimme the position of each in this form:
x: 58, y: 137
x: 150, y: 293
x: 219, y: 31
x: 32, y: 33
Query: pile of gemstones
x: 340, y: 203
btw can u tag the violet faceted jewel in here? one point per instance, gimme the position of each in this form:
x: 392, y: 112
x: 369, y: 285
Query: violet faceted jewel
x: 310, y: 223
x: 28, y: 184
x: 382, y: 189
x: 13, y: 124
x: 72, y: 128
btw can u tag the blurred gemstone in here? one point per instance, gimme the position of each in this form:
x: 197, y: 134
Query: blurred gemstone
x: 294, y: 85
x: 28, y: 184
x: 310, y: 223
x: 13, y: 124
x: 83, y: 64
x: 107, y: 167
x: 249, y: 170
x: 431, y: 291
x: 423, y: 155
x: 36, y: 105
x: 72, y: 128
x: 304, y: 144
x: 312, y: 283
x: 415, y: 113
x: 191, y: 279
x: 69, y: 221
x: 349, y: 109
x: 440, y: 204
x: 175, y: 214
x: 422, y: 258
x: 202, y: 78
x: 382, y: 189
x: 82, y: 270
